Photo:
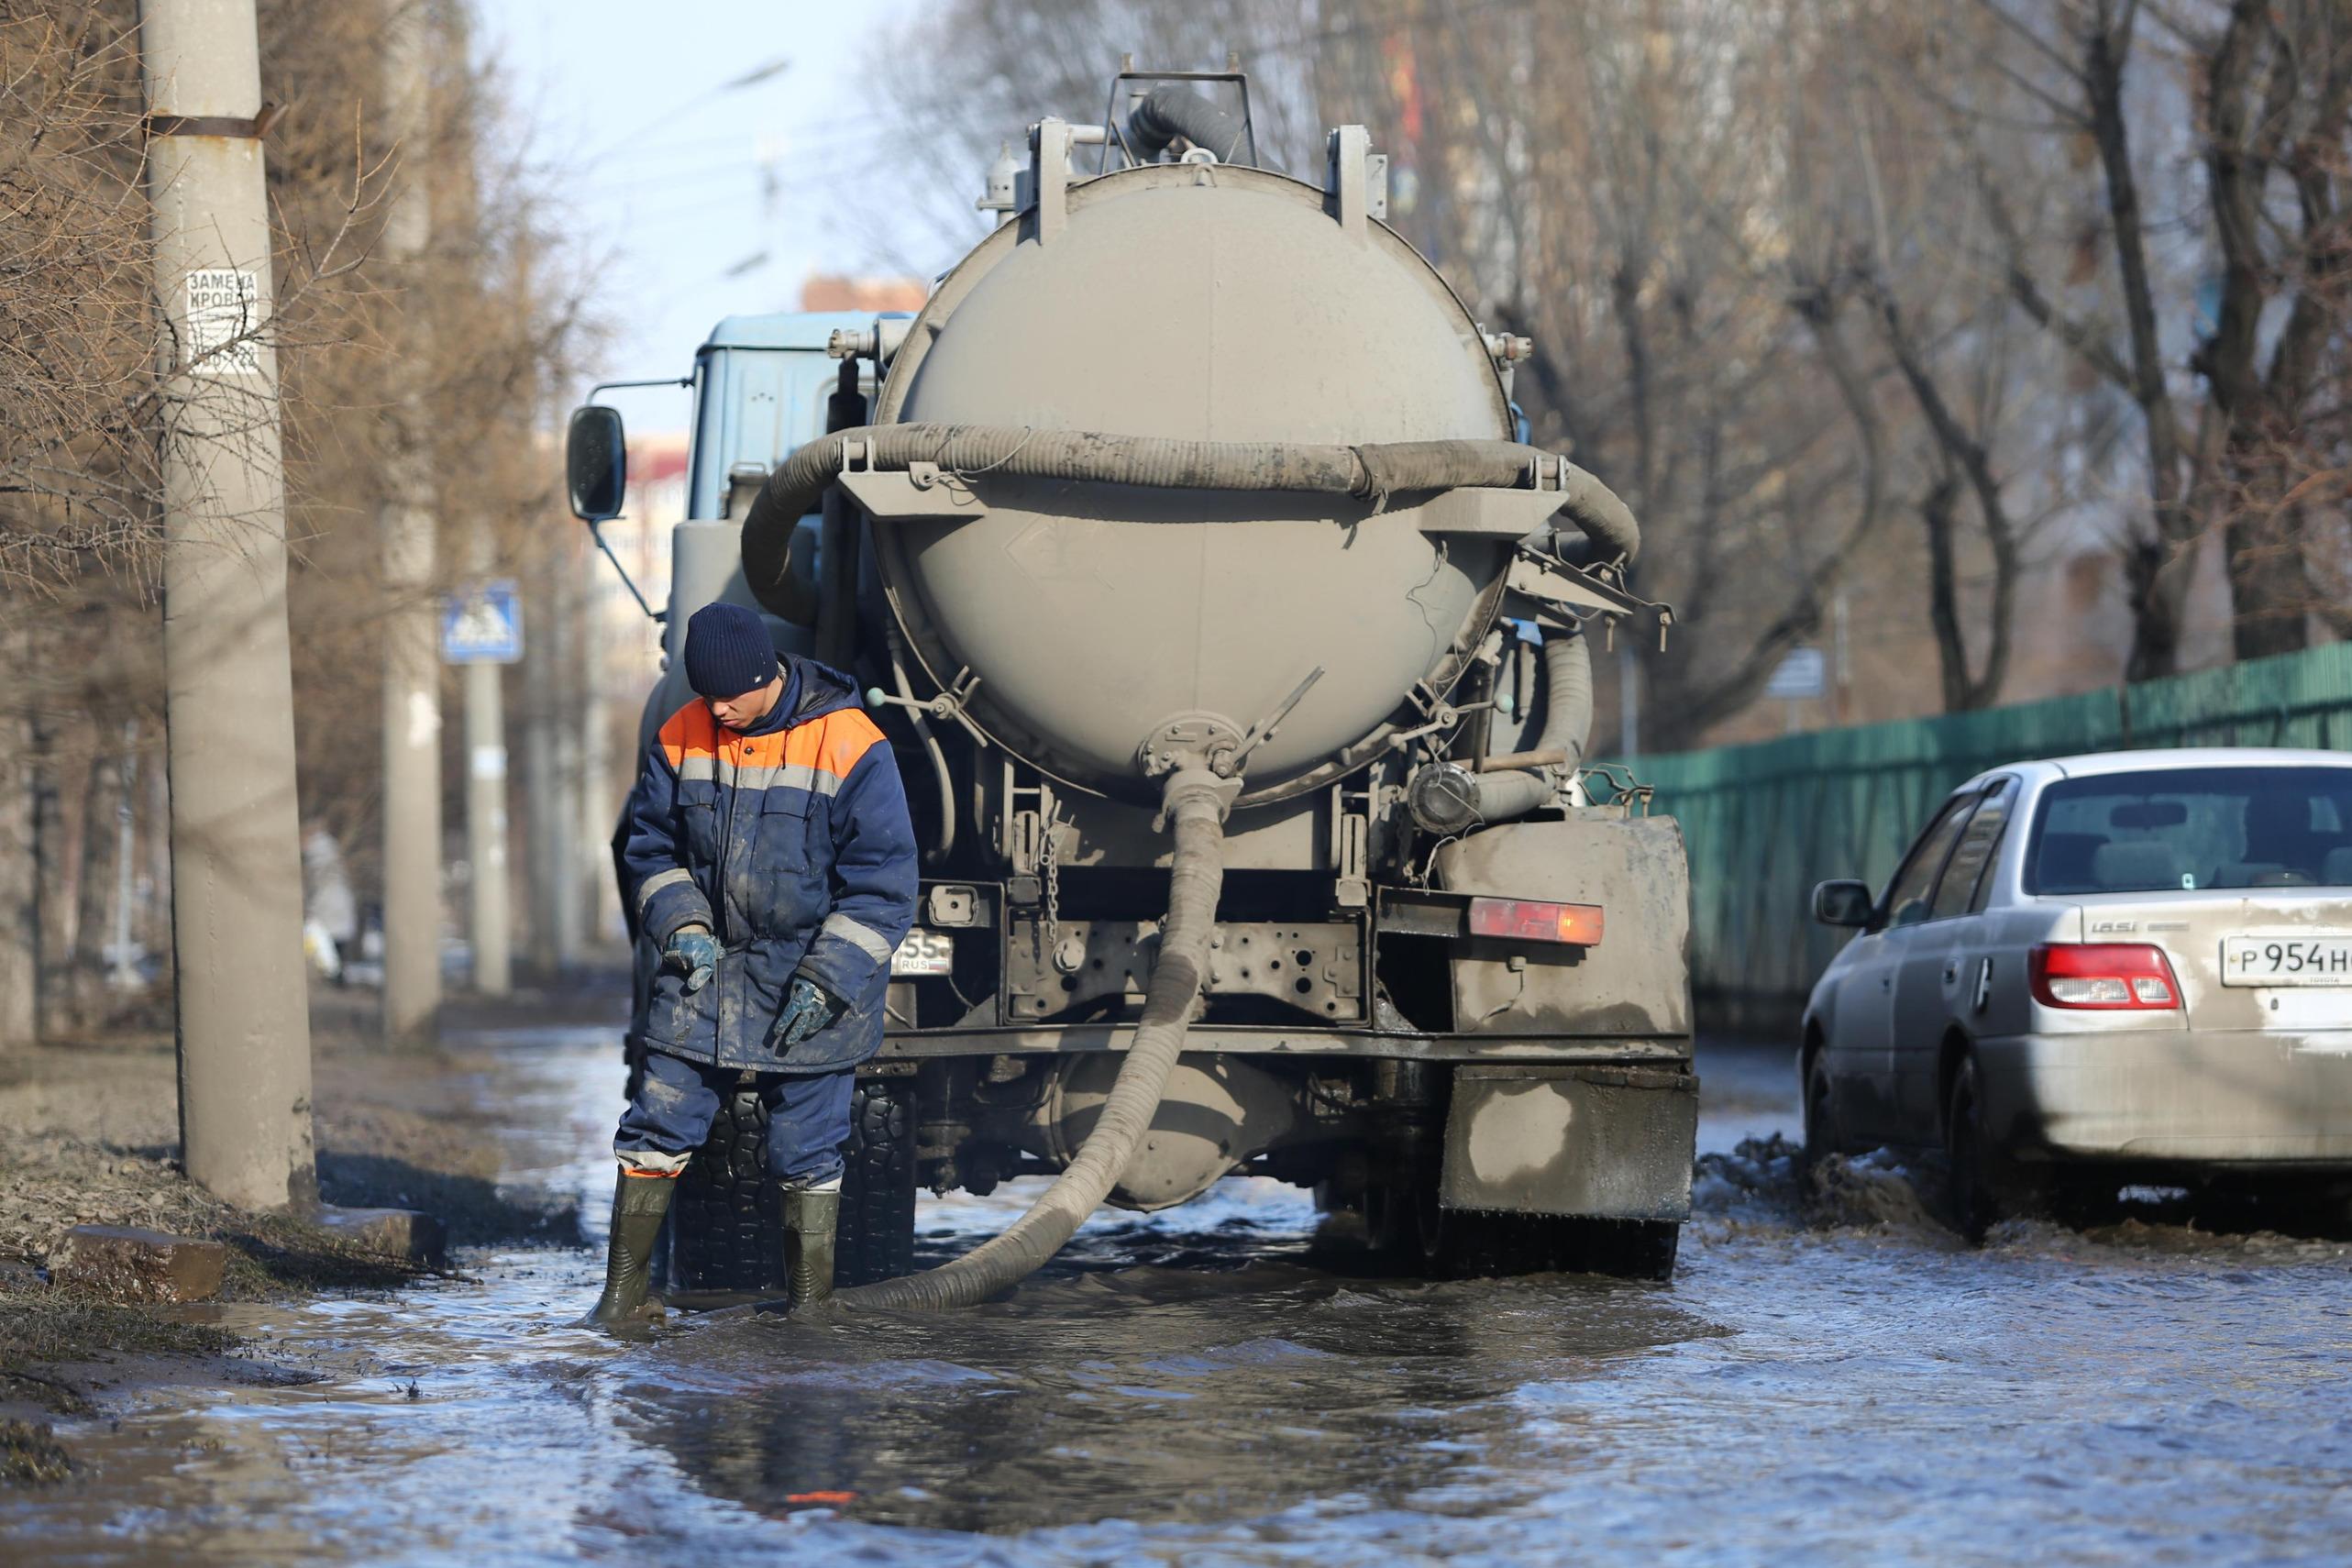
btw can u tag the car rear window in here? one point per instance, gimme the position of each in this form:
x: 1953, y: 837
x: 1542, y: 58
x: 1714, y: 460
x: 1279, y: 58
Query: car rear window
x: 2185, y: 828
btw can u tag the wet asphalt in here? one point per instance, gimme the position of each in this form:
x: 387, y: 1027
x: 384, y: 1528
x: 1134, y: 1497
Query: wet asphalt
x: 1832, y: 1382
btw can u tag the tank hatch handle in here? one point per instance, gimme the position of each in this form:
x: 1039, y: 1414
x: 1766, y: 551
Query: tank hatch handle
x: 950, y: 703
x: 1263, y: 731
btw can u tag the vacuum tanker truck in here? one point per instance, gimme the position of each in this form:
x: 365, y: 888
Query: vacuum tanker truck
x: 1238, y: 664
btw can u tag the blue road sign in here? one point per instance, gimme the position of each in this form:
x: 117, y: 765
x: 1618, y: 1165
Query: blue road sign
x: 482, y: 626
x: 1802, y: 673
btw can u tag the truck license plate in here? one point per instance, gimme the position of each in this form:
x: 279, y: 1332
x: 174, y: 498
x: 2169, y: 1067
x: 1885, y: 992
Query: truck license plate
x: 924, y: 953
x: 2287, y: 961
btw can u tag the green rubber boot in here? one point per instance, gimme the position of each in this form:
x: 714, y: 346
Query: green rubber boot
x: 809, y: 1217
x: 638, y: 1204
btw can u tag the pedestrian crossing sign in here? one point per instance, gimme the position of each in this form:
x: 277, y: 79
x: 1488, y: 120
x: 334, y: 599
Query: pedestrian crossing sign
x: 482, y: 625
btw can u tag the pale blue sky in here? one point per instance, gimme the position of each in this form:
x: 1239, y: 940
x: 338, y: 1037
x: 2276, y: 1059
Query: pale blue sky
x: 695, y: 199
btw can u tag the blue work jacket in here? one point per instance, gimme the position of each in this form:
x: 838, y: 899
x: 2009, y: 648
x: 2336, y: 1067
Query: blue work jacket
x: 792, y: 844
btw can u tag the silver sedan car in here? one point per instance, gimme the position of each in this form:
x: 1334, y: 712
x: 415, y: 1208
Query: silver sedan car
x: 2098, y: 970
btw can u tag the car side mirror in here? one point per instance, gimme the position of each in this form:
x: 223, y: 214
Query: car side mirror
x: 1843, y: 903
x: 596, y: 463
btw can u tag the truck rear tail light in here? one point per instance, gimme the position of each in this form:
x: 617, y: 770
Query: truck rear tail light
x: 2130, y: 975
x: 1525, y: 920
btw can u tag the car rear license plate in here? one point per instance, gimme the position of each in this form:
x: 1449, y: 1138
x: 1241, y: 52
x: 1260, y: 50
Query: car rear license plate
x: 924, y: 953
x: 2287, y: 960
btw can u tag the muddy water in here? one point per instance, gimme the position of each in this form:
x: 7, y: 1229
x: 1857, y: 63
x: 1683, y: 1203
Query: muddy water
x: 1213, y: 1387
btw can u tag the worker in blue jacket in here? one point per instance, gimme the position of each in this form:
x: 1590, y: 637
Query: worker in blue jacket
x: 766, y: 852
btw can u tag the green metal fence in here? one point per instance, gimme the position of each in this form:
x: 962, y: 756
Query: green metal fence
x: 1766, y: 821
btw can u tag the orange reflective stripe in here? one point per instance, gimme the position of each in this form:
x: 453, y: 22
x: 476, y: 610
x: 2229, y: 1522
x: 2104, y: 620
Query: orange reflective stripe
x: 689, y: 731
x: 833, y: 744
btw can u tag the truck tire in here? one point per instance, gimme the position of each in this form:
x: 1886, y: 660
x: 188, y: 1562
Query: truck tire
x: 1413, y: 1235
x: 725, y: 1230
x: 877, y: 1185
x: 1485, y: 1245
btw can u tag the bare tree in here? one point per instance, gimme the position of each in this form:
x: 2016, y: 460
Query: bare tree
x: 80, y: 394
x: 2226, y: 406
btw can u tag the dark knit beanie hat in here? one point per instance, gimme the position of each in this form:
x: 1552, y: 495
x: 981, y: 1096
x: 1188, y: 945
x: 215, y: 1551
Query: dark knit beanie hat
x: 727, y: 651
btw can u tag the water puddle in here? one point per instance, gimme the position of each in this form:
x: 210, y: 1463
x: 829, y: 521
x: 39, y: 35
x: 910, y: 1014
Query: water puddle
x: 1206, y: 1385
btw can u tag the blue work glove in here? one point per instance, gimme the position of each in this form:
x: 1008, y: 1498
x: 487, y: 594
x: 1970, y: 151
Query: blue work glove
x: 808, y: 1007
x: 693, y: 952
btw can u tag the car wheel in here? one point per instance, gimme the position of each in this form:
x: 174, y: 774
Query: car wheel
x: 1973, y: 1209
x: 1986, y: 1186
x: 1821, y: 1139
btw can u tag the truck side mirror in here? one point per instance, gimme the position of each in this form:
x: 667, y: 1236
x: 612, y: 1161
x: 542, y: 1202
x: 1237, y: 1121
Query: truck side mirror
x: 1843, y: 903
x: 596, y: 463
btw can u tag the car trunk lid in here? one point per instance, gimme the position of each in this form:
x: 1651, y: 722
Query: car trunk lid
x: 2250, y: 959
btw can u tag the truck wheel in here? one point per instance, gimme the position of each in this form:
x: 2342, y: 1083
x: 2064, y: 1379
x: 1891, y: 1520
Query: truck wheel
x: 1407, y: 1230
x: 1635, y: 1249
x: 726, y: 1233
x: 1498, y: 1244
x: 877, y: 1185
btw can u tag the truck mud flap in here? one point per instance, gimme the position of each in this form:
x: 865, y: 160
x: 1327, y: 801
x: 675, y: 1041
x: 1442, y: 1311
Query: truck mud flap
x: 1599, y: 1141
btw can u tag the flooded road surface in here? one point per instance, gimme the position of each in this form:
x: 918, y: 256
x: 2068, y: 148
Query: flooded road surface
x: 1212, y: 1387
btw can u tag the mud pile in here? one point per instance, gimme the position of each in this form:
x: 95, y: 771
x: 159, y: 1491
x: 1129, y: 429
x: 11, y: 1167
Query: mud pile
x: 1760, y: 1185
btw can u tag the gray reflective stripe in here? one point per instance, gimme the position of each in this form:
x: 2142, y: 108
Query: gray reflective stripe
x: 864, y: 938
x: 791, y: 775
x: 656, y: 882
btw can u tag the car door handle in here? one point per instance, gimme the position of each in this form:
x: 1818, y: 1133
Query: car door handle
x: 1951, y: 974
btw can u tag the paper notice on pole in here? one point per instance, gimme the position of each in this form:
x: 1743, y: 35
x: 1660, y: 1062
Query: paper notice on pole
x: 224, y: 321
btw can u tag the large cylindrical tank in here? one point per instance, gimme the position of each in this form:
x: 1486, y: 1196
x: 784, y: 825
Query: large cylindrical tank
x: 1223, y: 304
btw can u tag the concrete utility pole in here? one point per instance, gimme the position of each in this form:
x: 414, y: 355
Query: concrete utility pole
x: 541, y: 652
x: 599, y: 805
x: 571, y: 645
x: 236, y: 882
x: 486, y: 821
x: 122, y: 973
x: 20, y: 948
x: 412, y: 653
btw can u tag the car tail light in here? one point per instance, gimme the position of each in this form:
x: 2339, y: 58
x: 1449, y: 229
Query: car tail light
x: 2133, y: 976
x: 1579, y: 925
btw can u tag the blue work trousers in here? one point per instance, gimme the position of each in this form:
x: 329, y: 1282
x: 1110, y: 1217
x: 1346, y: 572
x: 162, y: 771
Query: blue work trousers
x: 808, y: 1117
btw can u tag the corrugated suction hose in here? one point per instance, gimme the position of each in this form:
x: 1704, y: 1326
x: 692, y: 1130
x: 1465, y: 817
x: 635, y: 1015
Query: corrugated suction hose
x: 1376, y: 471
x: 1196, y: 803
x: 1170, y: 111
